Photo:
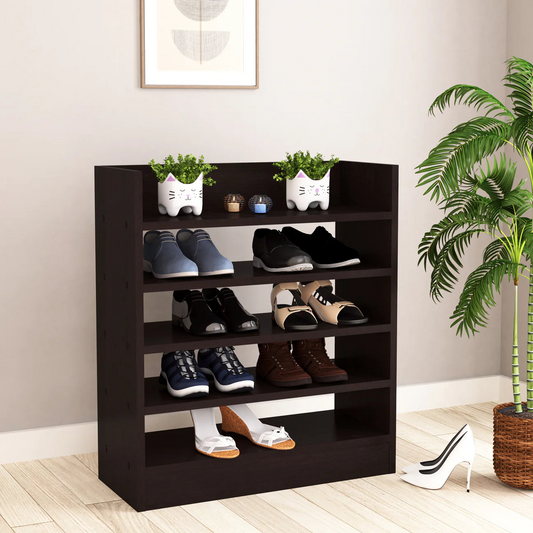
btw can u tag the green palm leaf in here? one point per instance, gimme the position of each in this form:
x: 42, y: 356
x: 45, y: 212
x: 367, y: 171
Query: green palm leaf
x: 478, y: 296
x: 519, y: 79
x: 456, y: 154
x: 471, y: 96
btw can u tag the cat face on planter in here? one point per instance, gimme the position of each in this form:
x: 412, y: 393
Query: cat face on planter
x: 174, y: 195
x: 303, y: 192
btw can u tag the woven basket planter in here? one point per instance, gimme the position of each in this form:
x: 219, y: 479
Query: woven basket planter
x: 513, y: 449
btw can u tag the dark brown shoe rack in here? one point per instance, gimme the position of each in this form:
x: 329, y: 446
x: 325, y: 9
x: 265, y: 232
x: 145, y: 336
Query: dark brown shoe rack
x: 355, y: 439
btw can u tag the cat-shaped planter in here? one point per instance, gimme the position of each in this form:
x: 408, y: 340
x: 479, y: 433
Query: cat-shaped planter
x: 303, y: 192
x: 174, y: 195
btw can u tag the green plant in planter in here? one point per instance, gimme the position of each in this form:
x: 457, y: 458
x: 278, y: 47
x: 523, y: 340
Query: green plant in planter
x: 314, y: 167
x: 450, y: 167
x: 186, y: 169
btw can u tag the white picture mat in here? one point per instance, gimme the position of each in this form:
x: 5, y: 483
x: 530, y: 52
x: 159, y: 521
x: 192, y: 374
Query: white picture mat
x: 155, y: 77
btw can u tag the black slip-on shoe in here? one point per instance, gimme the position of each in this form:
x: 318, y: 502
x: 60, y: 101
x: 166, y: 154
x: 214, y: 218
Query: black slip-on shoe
x: 191, y: 312
x: 276, y: 253
x: 325, y: 250
x: 225, y: 304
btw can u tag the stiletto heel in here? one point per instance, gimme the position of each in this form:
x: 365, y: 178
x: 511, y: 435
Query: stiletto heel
x: 468, y: 476
x: 461, y: 451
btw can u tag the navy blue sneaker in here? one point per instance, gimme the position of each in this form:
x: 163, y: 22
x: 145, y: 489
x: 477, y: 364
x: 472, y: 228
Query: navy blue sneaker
x: 223, y: 366
x: 181, y: 375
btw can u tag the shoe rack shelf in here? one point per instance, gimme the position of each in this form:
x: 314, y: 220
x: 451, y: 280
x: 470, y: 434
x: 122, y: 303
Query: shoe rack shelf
x: 355, y: 439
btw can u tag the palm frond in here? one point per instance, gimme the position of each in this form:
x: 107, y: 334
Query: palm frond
x: 456, y: 154
x: 521, y: 133
x: 478, y: 296
x: 497, y: 180
x: 447, y: 263
x: 471, y: 96
x: 519, y: 79
x: 494, y: 251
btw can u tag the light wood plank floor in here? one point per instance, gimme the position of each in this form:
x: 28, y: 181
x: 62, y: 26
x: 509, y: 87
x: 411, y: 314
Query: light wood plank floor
x: 65, y: 496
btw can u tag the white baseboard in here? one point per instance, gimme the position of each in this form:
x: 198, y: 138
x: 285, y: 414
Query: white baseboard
x: 42, y: 443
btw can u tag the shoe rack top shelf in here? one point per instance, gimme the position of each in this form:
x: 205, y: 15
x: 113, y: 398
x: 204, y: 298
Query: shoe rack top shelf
x: 247, y: 218
x: 246, y: 274
x: 359, y: 192
x: 162, y: 337
x: 158, y: 400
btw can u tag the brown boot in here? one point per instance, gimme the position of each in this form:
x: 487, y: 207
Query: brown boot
x: 277, y: 366
x: 311, y: 355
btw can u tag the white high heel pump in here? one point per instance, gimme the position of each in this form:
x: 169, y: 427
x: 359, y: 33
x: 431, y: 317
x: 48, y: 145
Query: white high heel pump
x: 463, y: 450
x: 430, y: 464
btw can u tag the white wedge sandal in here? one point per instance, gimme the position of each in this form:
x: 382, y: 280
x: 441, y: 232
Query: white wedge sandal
x: 207, y: 438
x: 241, y: 420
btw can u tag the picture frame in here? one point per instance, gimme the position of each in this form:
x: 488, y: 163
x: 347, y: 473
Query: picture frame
x: 199, y: 44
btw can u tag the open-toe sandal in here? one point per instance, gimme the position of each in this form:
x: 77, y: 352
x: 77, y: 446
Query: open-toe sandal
x: 241, y: 420
x: 208, y: 440
x: 296, y: 316
x: 329, y: 307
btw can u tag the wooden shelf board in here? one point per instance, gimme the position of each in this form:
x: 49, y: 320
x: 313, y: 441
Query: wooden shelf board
x: 162, y: 337
x: 158, y: 400
x: 307, y: 430
x: 210, y: 219
x: 246, y: 274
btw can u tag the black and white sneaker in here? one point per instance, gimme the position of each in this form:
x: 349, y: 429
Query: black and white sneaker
x: 273, y: 252
x: 191, y: 312
x: 181, y: 375
x: 325, y: 250
x: 225, y: 304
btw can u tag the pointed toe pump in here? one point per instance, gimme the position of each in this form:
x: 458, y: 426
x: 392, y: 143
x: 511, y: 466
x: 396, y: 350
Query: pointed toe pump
x: 416, y: 467
x: 461, y: 451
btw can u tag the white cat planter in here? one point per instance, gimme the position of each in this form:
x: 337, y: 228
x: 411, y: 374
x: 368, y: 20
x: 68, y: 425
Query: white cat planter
x: 303, y: 192
x: 174, y: 195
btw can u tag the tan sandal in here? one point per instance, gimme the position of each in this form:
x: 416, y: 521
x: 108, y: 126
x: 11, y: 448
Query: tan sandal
x: 295, y: 316
x: 329, y: 307
x: 241, y: 420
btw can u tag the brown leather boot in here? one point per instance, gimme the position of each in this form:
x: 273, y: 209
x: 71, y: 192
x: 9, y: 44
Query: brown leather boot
x: 277, y: 366
x: 311, y: 355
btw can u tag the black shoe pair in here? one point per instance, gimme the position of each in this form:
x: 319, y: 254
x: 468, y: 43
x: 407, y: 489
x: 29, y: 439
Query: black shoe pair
x: 210, y: 312
x: 291, y: 250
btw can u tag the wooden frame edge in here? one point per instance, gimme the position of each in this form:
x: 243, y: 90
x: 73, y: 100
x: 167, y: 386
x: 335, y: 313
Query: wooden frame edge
x: 143, y: 81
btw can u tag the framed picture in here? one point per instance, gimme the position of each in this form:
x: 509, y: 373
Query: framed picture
x: 193, y: 44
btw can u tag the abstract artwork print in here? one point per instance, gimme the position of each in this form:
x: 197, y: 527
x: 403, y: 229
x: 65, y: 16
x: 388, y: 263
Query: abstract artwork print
x: 199, y: 43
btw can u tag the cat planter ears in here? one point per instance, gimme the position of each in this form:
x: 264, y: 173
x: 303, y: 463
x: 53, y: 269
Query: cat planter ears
x: 303, y: 192
x: 174, y: 195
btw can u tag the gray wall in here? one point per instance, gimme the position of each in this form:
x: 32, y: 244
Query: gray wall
x: 353, y: 78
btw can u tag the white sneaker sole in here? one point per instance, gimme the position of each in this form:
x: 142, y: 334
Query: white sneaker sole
x: 147, y: 267
x: 338, y: 265
x: 217, y: 272
x: 197, y: 389
x: 227, y: 388
x: 294, y: 268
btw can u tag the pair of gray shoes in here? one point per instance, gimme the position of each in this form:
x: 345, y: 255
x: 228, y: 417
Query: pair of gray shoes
x: 188, y: 254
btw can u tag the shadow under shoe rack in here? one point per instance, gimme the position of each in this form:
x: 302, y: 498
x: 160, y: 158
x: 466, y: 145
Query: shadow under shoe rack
x: 356, y: 439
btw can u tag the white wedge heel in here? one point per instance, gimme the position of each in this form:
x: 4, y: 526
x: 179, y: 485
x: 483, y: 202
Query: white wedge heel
x: 462, y: 450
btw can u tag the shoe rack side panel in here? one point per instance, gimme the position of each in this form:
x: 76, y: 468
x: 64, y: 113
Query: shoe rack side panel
x: 120, y: 337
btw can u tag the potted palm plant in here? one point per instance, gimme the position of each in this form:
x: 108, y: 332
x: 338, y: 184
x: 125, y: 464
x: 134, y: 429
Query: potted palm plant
x: 485, y: 202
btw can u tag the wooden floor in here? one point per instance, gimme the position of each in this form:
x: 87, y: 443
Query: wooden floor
x: 65, y: 495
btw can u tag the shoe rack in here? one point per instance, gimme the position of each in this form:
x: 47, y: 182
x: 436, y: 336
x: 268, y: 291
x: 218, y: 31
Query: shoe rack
x: 355, y: 439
